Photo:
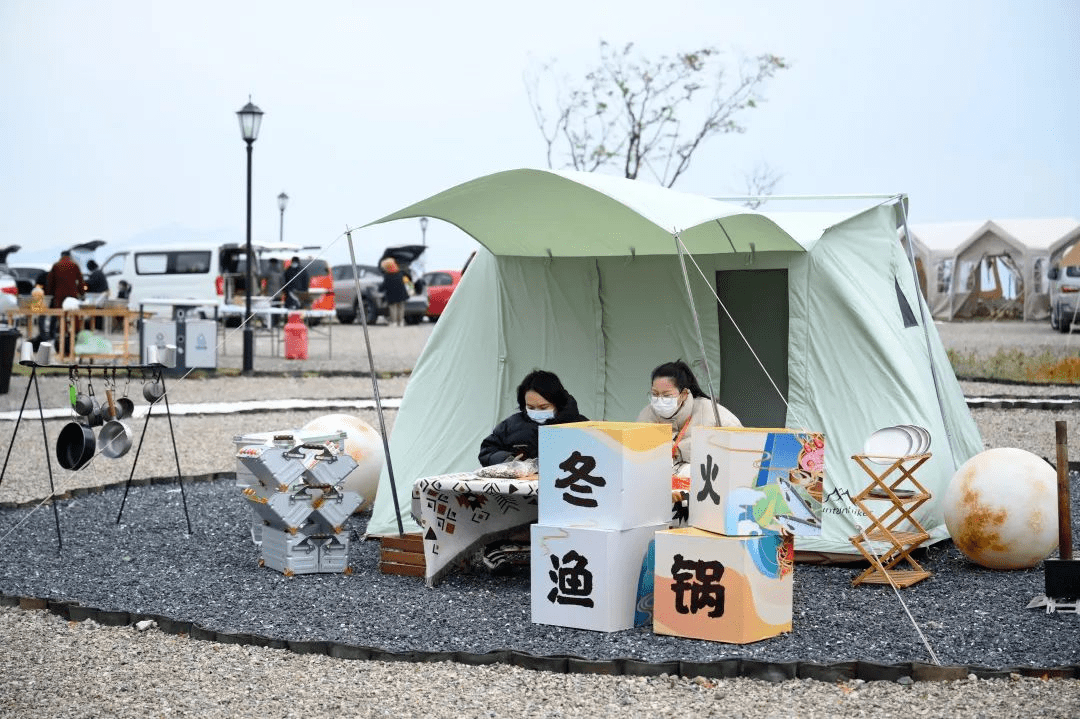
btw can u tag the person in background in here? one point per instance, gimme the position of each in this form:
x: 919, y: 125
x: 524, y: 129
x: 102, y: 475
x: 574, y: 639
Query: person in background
x: 64, y: 280
x: 273, y: 279
x: 394, y: 290
x: 97, y: 290
x: 675, y: 398
x: 295, y: 281
x: 541, y: 399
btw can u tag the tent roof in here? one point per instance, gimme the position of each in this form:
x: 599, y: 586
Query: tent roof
x: 541, y: 213
x: 1034, y: 234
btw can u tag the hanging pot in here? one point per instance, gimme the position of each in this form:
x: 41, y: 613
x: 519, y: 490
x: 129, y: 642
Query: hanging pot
x: 114, y: 439
x: 124, y: 408
x: 153, y: 390
x: 75, y: 446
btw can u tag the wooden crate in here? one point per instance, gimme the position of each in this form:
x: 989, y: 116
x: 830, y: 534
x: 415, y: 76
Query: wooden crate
x: 402, y: 555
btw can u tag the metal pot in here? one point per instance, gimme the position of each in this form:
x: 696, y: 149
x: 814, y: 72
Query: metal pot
x: 153, y: 390
x: 124, y: 408
x: 114, y: 439
x: 75, y: 446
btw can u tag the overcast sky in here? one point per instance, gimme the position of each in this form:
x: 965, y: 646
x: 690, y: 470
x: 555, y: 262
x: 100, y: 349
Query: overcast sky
x: 118, y: 116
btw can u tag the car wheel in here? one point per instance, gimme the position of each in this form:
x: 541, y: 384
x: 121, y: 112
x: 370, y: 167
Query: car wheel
x: 345, y: 317
x: 1064, y: 324
x: 371, y: 311
x: 413, y: 319
x: 1053, y: 319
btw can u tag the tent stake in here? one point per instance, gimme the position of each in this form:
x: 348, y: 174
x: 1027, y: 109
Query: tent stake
x: 375, y: 387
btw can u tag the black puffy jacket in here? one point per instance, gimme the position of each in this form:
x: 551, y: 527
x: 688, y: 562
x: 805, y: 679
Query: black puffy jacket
x: 518, y: 429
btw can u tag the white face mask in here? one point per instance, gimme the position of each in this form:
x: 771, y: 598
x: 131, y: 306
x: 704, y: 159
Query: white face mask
x: 665, y: 407
x: 540, y: 415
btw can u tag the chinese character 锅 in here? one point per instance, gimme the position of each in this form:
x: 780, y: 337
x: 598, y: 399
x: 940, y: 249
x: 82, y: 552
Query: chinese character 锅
x: 701, y: 580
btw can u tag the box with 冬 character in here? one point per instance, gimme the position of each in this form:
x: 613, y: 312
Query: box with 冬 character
x: 724, y: 589
x: 746, y: 482
x: 595, y: 579
x: 605, y: 475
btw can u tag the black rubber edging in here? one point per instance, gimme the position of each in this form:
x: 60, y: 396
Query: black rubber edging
x: 560, y: 663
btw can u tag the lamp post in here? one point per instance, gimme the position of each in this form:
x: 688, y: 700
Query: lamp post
x: 250, y: 119
x: 423, y: 231
x: 282, y: 201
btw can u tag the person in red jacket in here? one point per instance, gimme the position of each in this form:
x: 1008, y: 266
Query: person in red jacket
x: 64, y: 280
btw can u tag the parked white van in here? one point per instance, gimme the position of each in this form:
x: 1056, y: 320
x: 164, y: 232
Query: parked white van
x: 186, y: 271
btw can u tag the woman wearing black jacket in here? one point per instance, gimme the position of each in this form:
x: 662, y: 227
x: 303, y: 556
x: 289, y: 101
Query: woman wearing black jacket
x: 542, y: 399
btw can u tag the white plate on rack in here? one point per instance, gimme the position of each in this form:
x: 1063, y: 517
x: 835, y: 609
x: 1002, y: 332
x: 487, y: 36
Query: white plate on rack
x: 923, y: 443
x: 888, y: 444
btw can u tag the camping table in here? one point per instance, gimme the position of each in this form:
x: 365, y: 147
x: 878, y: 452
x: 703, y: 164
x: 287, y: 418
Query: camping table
x: 885, y: 526
x: 459, y: 513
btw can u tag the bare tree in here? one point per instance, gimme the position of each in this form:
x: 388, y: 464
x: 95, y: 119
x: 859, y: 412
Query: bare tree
x: 641, y: 113
x: 760, y: 183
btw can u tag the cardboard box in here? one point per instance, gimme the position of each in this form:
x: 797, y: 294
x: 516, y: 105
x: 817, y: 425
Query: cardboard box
x: 746, y: 482
x: 605, y: 475
x: 591, y: 578
x: 724, y: 589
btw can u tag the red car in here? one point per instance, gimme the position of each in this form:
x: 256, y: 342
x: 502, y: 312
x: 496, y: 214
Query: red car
x: 439, y: 286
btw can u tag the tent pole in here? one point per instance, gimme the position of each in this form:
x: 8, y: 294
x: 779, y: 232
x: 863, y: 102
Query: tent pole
x: 362, y: 311
x: 926, y: 329
x: 697, y: 326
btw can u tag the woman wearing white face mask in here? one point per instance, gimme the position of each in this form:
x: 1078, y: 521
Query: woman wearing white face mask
x: 676, y: 398
x: 542, y: 399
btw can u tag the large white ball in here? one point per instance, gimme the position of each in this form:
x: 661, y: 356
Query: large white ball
x: 363, y: 444
x: 1001, y: 509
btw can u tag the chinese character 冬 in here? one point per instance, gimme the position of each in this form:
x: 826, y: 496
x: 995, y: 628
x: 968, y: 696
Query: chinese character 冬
x: 579, y: 467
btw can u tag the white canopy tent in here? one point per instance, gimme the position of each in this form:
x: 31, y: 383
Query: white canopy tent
x: 581, y: 275
x: 961, y: 254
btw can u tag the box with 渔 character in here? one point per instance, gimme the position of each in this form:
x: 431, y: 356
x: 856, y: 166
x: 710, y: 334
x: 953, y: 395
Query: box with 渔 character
x: 598, y: 579
x: 724, y: 589
x: 746, y: 482
x: 606, y: 475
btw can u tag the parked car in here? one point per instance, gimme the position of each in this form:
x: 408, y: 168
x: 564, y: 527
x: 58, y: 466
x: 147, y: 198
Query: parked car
x: 371, y: 296
x: 9, y: 286
x: 438, y: 286
x: 1064, y: 297
x: 346, y: 305
x: 26, y: 276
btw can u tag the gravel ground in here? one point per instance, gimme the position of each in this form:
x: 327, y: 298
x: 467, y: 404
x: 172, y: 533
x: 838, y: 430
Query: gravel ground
x: 143, y: 674
x: 970, y: 616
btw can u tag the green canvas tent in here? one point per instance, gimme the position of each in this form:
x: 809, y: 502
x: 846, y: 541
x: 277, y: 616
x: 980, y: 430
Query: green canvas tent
x: 581, y: 274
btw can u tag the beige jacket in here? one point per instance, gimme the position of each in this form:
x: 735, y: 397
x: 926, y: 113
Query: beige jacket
x: 694, y: 414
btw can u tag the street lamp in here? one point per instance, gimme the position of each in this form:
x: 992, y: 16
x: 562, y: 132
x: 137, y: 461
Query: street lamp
x: 282, y: 201
x: 423, y: 231
x: 250, y: 119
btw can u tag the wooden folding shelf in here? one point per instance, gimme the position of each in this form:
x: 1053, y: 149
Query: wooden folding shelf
x: 904, y: 495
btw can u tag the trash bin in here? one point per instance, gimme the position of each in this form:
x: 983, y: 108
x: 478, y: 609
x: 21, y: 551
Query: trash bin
x: 8, y: 335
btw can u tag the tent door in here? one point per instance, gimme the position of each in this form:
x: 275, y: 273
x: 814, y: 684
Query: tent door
x: 758, y: 302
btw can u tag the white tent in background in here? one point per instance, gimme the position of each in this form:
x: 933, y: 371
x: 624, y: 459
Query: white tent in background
x: 935, y: 245
x: 974, y: 261
x: 580, y: 274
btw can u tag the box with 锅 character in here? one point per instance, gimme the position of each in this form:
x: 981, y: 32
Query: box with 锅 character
x: 591, y: 578
x: 747, y: 481
x: 605, y: 475
x: 725, y: 589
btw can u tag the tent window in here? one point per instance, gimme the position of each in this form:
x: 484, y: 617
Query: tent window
x: 905, y: 307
